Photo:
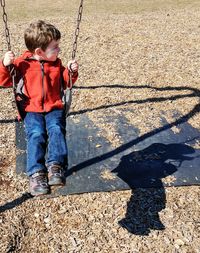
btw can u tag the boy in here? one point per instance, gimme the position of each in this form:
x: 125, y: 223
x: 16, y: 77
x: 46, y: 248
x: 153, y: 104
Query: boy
x: 39, y: 72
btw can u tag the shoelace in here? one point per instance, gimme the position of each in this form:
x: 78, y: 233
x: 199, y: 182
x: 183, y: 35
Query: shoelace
x: 55, y: 170
x: 41, y: 179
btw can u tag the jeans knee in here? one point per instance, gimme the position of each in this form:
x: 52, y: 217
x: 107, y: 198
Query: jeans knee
x: 56, y: 129
x: 36, y: 134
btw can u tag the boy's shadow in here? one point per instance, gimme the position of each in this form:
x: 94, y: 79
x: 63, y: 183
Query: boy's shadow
x: 143, y: 171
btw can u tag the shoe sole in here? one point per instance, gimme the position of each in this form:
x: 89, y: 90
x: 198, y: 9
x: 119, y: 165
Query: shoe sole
x: 39, y: 193
x: 56, y: 182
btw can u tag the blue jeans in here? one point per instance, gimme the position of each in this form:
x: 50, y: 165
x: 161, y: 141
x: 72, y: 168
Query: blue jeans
x: 45, y: 134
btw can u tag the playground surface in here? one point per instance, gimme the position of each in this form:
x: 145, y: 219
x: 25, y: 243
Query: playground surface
x: 139, y: 62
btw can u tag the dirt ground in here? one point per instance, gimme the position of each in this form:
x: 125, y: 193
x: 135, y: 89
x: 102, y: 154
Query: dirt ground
x: 146, y: 62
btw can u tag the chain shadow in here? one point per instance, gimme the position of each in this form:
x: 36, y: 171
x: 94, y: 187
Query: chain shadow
x: 195, y: 93
x: 97, y: 159
x: 15, y: 202
x: 8, y: 121
x: 143, y: 171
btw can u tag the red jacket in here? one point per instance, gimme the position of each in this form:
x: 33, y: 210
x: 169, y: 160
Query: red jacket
x: 40, y: 82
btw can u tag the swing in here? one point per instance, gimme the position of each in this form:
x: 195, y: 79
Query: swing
x: 160, y: 153
x: 67, y: 94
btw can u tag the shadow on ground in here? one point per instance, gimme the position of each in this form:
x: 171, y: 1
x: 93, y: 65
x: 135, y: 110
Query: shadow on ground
x: 146, y: 167
x: 143, y: 209
x: 15, y: 202
x: 86, y: 164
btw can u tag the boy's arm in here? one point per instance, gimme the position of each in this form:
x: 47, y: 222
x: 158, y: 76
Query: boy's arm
x: 67, y: 71
x: 5, y: 78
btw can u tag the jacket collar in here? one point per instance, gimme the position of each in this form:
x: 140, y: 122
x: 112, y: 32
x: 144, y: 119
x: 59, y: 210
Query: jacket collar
x: 27, y: 55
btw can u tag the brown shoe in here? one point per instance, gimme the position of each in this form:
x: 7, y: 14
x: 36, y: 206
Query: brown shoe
x: 38, y: 184
x: 56, y: 175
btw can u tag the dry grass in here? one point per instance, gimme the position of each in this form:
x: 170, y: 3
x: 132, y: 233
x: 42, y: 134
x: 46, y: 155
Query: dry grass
x: 20, y: 10
x: 143, y: 62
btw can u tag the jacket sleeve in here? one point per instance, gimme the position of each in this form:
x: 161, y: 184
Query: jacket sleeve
x: 5, y: 78
x: 65, y: 77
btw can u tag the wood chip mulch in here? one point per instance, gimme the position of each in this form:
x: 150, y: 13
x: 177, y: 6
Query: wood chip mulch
x: 144, y: 64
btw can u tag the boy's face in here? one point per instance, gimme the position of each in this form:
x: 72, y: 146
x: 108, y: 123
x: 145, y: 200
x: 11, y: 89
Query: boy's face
x: 52, y: 51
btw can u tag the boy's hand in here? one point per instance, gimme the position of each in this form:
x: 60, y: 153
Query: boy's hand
x: 8, y: 58
x: 72, y: 66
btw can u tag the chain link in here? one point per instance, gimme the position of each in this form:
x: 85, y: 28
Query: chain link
x: 11, y: 67
x: 5, y: 20
x: 80, y: 11
x: 7, y: 33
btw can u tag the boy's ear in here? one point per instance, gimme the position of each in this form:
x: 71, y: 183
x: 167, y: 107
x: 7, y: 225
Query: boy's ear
x: 38, y: 51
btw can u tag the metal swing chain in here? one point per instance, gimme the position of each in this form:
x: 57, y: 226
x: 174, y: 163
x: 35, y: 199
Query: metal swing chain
x: 5, y: 20
x: 7, y: 33
x: 11, y: 67
x: 80, y: 11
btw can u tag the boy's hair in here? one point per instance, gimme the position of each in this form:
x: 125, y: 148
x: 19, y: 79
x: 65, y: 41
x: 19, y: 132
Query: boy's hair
x: 39, y: 35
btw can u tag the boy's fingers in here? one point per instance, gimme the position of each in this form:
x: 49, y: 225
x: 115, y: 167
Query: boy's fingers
x: 12, y: 56
x: 10, y: 53
x: 73, y: 66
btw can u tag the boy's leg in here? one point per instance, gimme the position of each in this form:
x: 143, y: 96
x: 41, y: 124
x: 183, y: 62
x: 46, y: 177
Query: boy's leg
x: 57, y: 146
x: 36, y: 142
x: 36, y: 148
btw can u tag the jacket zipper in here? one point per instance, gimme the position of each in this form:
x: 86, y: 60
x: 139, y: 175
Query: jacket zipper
x: 43, y: 93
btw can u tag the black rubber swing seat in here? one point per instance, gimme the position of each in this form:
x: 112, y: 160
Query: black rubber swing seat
x: 155, y: 159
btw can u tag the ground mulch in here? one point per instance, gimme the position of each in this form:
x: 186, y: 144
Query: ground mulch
x: 142, y: 64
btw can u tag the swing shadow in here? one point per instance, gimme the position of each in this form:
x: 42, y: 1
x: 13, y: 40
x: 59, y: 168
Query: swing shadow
x: 147, y: 168
x: 195, y: 93
x: 8, y: 121
x: 97, y: 159
x: 16, y: 202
